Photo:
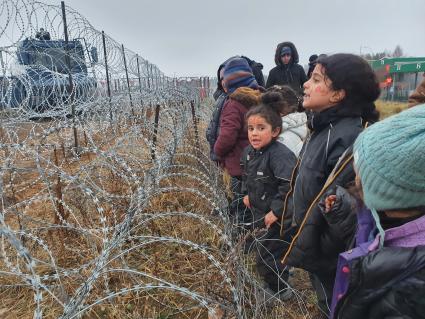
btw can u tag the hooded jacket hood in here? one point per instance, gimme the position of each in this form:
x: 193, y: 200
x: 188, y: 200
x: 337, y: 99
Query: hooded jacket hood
x: 246, y: 96
x: 252, y: 62
x: 294, y: 121
x: 219, y: 86
x: 294, y: 131
x: 295, y: 57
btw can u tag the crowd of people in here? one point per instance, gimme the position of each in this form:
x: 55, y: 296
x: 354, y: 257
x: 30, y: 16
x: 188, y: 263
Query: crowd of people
x: 320, y: 183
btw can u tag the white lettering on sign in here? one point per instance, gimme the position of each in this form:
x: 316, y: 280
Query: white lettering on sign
x: 418, y: 66
x: 398, y: 67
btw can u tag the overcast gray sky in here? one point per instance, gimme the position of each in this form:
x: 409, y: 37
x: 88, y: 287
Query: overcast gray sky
x: 192, y: 37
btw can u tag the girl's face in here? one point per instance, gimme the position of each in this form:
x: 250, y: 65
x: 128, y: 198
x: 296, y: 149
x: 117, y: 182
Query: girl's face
x: 318, y: 92
x: 260, y: 132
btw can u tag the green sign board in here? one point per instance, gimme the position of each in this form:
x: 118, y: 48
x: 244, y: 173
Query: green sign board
x: 408, y: 68
x: 377, y: 64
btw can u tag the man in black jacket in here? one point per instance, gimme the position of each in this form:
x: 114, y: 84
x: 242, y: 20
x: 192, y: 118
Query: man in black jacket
x: 287, y: 70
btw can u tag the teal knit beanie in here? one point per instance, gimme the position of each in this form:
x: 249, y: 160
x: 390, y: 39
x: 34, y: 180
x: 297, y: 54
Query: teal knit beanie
x: 390, y: 159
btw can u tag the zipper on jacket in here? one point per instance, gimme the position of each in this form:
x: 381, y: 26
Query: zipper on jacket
x: 292, y: 188
x: 329, y: 137
x: 296, y: 179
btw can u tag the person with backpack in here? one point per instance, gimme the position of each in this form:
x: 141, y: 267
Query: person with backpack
x: 220, y: 97
x: 243, y: 93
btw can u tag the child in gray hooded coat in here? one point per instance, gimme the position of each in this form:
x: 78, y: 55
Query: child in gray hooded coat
x: 294, y: 124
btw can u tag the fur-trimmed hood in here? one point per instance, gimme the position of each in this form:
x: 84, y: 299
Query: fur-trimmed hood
x: 295, y: 57
x: 246, y: 96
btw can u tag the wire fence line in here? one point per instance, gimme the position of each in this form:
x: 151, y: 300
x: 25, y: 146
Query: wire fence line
x: 110, y: 206
x: 71, y: 64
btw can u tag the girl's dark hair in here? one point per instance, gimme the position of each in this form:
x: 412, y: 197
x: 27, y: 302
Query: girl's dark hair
x: 219, y: 79
x: 354, y: 75
x: 420, y: 210
x: 282, y: 98
x: 269, y: 112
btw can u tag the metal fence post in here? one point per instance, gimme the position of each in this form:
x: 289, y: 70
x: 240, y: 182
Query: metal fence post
x: 155, y: 132
x: 140, y: 79
x: 71, y: 83
x: 128, y: 80
x: 147, y: 77
x: 416, y: 81
x: 108, y: 84
x: 195, y: 123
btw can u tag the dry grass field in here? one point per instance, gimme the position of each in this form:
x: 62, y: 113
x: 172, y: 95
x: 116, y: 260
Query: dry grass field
x: 173, y: 262
x: 389, y: 108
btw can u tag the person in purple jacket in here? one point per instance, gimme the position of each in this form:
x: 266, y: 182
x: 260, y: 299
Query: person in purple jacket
x: 383, y: 274
x: 243, y: 93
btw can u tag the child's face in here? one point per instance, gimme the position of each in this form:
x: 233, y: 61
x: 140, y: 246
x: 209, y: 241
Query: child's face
x: 318, y: 93
x: 260, y: 133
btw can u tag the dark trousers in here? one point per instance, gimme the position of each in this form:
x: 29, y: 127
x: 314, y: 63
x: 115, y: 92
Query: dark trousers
x: 270, y: 250
x: 268, y: 245
x: 324, y: 290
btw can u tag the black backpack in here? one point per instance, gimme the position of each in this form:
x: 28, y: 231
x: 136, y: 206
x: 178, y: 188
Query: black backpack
x: 257, y: 70
x: 214, y: 125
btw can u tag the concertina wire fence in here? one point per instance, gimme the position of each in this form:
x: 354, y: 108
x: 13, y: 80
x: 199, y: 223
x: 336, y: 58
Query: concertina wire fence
x: 109, y: 204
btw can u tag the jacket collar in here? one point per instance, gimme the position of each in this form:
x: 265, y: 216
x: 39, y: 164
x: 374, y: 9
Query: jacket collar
x: 286, y: 66
x: 317, y: 121
x: 408, y: 235
x: 263, y: 149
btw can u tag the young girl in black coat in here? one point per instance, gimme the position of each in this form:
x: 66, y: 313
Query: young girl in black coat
x: 339, y: 97
x: 267, y: 166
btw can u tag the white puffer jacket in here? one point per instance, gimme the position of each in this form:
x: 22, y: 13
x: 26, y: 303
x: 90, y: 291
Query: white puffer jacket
x: 294, y: 131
